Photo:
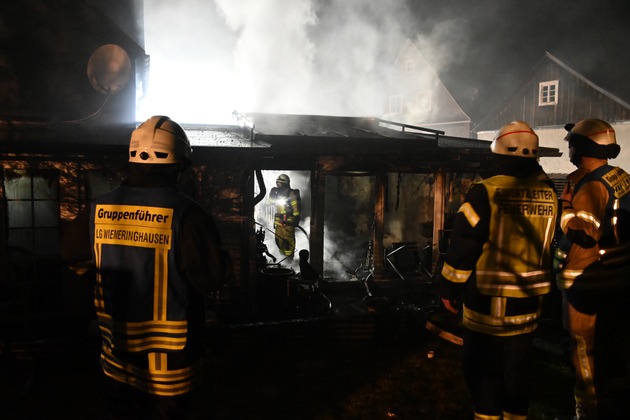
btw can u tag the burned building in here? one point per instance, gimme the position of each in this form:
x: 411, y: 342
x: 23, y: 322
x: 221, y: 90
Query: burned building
x: 364, y: 182
x: 71, y: 76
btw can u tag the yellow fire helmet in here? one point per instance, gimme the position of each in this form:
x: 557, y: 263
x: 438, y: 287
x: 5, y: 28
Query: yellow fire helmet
x: 598, y: 131
x: 516, y: 139
x: 159, y: 140
x: 594, y: 138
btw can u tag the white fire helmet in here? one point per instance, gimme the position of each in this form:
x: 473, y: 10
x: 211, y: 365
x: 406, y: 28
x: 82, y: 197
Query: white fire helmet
x: 159, y: 140
x: 284, y: 179
x: 598, y: 131
x: 516, y: 139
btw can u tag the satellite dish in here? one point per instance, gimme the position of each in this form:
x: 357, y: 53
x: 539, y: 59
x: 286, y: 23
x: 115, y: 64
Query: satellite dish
x: 109, y: 68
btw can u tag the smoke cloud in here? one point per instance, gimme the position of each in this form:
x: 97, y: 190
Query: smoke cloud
x: 332, y: 56
x: 273, y: 55
x: 326, y: 57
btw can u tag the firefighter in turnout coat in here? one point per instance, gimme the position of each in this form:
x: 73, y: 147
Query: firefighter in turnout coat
x: 497, y: 270
x: 595, y: 207
x: 287, y: 217
x: 157, y: 257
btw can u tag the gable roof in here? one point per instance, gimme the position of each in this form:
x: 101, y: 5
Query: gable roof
x: 587, y: 81
x: 444, y: 108
x: 578, y: 98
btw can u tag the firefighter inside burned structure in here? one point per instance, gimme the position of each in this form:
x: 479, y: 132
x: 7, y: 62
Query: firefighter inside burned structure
x: 593, y: 258
x: 158, y: 256
x: 287, y: 217
x: 497, y: 269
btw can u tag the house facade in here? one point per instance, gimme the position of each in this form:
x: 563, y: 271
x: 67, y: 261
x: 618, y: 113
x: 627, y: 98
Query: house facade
x: 415, y: 95
x: 553, y: 95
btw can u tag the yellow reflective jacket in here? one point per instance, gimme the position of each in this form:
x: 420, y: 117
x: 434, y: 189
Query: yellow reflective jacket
x: 150, y: 318
x: 516, y: 259
x: 499, y: 258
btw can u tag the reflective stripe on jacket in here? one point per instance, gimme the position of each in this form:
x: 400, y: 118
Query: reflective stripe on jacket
x: 499, y: 322
x: 288, y: 205
x: 617, y: 183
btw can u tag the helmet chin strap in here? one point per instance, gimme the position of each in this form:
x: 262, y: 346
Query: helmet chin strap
x: 588, y: 147
x: 576, y: 159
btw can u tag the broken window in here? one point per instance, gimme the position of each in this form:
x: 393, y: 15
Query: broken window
x: 32, y: 200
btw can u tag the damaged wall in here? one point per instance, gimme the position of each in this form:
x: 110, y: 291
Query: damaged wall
x: 30, y: 239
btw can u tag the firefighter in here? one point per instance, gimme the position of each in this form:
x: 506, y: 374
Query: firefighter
x: 157, y: 256
x: 497, y: 270
x: 287, y: 217
x: 595, y: 204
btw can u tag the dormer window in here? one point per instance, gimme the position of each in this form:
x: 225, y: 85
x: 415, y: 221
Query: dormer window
x: 548, y: 93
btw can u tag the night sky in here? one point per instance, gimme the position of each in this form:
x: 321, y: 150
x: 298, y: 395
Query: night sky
x: 508, y: 37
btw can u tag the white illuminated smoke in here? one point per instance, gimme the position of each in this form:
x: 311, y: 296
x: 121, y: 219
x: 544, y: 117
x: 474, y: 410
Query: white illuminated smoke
x: 326, y: 57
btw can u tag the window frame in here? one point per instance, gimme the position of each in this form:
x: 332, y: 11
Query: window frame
x: 545, y: 90
x: 42, y: 220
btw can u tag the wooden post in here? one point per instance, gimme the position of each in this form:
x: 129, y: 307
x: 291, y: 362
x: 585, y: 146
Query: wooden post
x: 379, y: 222
x: 246, y: 274
x: 439, y: 196
x: 316, y: 241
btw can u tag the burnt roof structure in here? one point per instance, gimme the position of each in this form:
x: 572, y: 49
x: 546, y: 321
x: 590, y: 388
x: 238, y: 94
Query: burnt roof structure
x: 271, y: 141
x: 280, y: 141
